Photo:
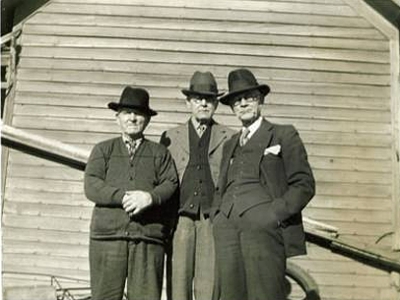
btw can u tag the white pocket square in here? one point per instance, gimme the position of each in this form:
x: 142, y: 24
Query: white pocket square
x: 273, y: 149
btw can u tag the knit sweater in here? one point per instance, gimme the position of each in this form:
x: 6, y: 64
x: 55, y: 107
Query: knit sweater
x: 109, y: 174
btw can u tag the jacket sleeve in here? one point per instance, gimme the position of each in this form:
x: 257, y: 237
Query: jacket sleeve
x: 167, y: 178
x: 96, y: 188
x: 299, y: 177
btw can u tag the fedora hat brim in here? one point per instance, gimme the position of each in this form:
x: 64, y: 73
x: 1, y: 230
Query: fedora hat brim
x: 188, y: 93
x: 263, y: 88
x: 117, y: 106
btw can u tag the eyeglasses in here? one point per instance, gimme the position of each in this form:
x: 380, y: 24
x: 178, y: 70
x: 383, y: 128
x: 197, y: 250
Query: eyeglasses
x: 248, y: 99
x: 198, y: 99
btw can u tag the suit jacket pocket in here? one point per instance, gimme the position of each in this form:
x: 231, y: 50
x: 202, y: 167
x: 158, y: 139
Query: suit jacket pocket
x: 260, y: 217
x: 250, y: 201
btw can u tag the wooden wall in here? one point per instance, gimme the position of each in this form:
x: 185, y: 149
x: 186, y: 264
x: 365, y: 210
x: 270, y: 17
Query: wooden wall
x: 329, y: 72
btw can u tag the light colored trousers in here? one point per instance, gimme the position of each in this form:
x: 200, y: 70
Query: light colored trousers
x: 193, y: 262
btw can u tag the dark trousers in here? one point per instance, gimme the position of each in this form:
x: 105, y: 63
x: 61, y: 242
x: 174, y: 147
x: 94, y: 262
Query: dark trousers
x: 250, y: 256
x: 112, y: 263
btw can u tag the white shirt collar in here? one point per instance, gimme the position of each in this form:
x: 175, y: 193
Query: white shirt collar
x: 254, y: 126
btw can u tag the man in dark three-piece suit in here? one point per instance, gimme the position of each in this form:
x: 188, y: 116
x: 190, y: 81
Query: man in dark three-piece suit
x: 265, y: 181
x: 196, y: 147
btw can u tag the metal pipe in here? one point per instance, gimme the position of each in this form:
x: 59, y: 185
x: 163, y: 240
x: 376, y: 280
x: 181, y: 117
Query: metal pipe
x: 44, y: 147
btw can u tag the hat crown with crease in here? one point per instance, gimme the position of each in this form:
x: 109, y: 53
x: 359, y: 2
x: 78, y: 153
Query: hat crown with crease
x: 240, y: 81
x: 202, y: 83
x: 134, y: 98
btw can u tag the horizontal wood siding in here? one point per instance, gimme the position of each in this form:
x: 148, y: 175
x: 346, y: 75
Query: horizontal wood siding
x: 329, y: 72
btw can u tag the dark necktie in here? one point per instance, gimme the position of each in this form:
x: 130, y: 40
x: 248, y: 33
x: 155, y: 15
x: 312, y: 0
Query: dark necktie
x: 244, y: 137
x: 201, y: 128
x: 131, y: 144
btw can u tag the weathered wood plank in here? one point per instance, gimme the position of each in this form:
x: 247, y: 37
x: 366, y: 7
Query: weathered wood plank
x: 186, y: 48
x: 354, y: 202
x: 337, y: 267
x: 41, y: 222
x: 327, y: 175
x: 167, y: 99
x: 47, y: 197
x: 21, y: 160
x: 347, y: 151
x: 355, y: 230
x: 71, y: 273
x: 171, y: 74
x: 281, y: 111
x: 344, y: 292
x: 210, y: 14
x: 331, y: 2
x: 338, y: 134
x: 45, y: 172
x: 276, y: 86
x: 354, y: 164
x: 353, y: 177
x: 46, y: 261
x: 350, y: 215
x: 45, y: 185
x: 110, y: 7
x: 204, y: 36
x: 26, y: 279
x: 45, y: 236
x: 354, y: 190
x: 204, y: 60
x: 375, y: 152
x: 58, y: 212
x: 319, y: 26
x: 350, y: 279
x: 47, y: 292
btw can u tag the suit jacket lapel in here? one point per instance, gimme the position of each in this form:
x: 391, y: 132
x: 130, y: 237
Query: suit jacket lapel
x: 218, y: 136
x: 182, y: 137
x: 226, y: 159
x: 262, y: 138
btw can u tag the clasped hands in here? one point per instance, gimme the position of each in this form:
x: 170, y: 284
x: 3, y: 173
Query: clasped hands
x: 135, y: 201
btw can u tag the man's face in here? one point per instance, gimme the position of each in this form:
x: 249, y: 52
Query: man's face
x: 202, y: 107
x: 247, y: 106
x: 132, y: 122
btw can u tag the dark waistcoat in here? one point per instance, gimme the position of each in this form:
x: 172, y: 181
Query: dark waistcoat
x: 197, y: 187
x: 243, y: 181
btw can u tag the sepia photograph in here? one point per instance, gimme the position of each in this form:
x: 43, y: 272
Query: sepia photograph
x: 200, y: 150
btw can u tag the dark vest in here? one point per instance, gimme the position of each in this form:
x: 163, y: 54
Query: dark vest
x: 243, y: 180
x: 197, y: 186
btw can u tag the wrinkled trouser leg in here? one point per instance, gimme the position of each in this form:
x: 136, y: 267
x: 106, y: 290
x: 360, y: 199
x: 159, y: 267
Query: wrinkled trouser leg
x: 192, y: 260
x: 114, y: 262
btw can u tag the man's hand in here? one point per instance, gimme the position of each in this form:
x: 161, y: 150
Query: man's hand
x: 135, y: 201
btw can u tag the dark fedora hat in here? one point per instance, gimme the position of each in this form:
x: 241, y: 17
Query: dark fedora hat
x: 135, y: 98
x: 240, y: 81
x: 202, y: 83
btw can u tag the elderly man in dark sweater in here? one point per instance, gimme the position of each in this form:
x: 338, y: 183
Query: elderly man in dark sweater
x: 130, y: 179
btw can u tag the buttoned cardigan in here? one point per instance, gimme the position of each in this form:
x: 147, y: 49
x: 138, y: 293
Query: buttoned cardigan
x: 110, y: 173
